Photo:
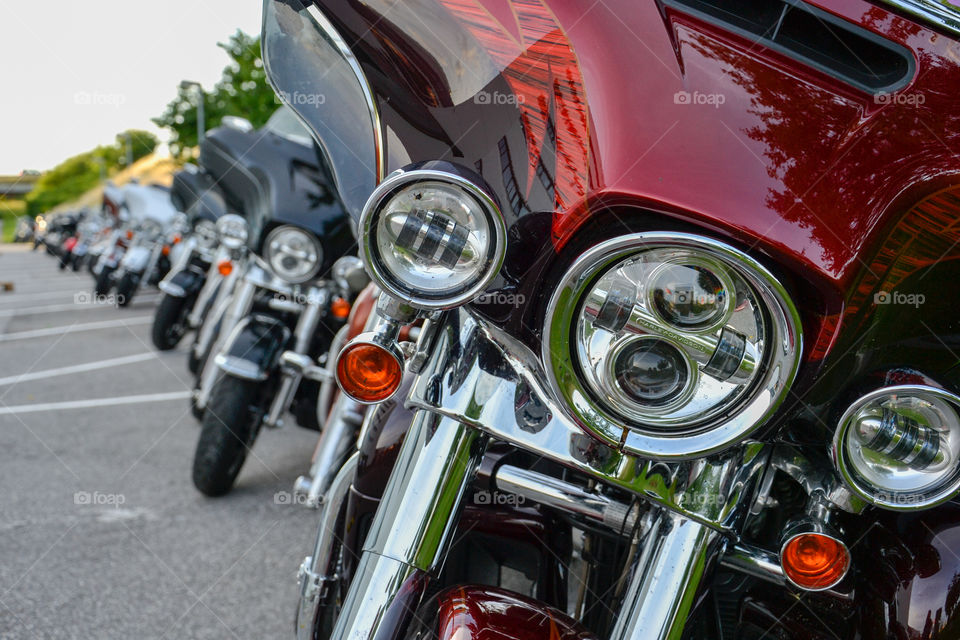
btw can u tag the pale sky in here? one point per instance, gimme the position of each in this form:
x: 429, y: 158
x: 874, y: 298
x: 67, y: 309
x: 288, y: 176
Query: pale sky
x: 74, y: 74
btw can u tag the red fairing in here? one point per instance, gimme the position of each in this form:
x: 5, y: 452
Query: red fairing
x: 486, y: 613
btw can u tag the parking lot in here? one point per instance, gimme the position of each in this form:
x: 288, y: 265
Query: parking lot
x: 102, y: 534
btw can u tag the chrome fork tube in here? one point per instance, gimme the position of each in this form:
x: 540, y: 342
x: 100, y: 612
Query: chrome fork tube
x: 672, y: 564
x: 303, y: 334
x: 412, y: 528
x: 219, y: 309
x: 242, y: 303
x: 209, y: 286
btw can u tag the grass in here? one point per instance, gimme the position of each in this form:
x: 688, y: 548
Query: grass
x: 10, y: 210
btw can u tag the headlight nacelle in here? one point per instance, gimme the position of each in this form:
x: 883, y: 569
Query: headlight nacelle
x: 293, y: 254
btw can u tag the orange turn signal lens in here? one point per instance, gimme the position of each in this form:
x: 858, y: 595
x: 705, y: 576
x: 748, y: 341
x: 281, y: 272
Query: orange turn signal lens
x: 340, y: 309
x: 368, y: 372
x: 177, y: 238
x: 166, y: 250
x: 225, y: 268
x: 814, y: 561
x: 129, y: 234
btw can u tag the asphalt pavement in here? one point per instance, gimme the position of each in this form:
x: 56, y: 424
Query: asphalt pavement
x: 102, y: 534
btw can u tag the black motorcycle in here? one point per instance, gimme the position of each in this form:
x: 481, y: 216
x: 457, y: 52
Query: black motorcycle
x: 284, y: 310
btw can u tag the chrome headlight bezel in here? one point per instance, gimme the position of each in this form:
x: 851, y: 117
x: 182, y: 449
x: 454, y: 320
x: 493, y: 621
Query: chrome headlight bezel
x: 761, y: 396
x: 392, y: 283
x: 233, y: 230
x: 893, y: 498
x: 272, y: 256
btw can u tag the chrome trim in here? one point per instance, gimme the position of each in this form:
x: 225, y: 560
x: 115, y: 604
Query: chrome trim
x: 173, y: 290
x: 506, y: 397
x: 885, y: 498
x: 783, y: 346
x: 240, y: 368
x: 331, y: 32
x: 386, y: 281
x: 940, y: 13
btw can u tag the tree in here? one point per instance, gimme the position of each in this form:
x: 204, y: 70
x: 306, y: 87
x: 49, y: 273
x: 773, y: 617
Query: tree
x: 241, y: 91
x: 143, y: 143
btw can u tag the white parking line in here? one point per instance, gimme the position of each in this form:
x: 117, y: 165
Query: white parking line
x: 78, y: 368
x: 74, y: 328
x: 53, y: 308
x: 14, y: 297
x: 94, y: 403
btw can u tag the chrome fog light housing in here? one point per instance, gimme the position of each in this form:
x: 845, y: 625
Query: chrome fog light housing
x: 233, y: 231
x: 898, y: 447
x: 432, y: 238
x: 293, y: 254
x: 670, y: 346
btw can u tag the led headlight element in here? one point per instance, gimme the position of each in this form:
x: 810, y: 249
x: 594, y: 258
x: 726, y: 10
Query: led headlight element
x: 233, y: 231
x: 899, y: 447
x: 294, y: 255
x: 432, y: 238
x: 670, y: 345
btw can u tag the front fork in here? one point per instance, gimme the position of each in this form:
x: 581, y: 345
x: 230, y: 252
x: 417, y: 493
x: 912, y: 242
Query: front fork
x: 317, y: 300
x: 419, y: 511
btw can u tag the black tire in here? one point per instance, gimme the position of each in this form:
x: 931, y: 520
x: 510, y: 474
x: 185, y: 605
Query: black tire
x: 127, y: 288
x: 230, y: 426
x: 76, y: 262
x: 63, y: 259
x: 104, y: 282
x: 170, y: 321
x: 193, y: 360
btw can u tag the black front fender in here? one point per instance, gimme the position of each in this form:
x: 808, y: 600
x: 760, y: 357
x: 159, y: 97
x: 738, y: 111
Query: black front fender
x: 254, y: 347
x: 184, y: 284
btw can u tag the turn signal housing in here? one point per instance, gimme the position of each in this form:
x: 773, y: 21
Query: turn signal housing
x: 814, y: 561
x: 340, y: 308
x: 368, y: 371
x: 225, y: 268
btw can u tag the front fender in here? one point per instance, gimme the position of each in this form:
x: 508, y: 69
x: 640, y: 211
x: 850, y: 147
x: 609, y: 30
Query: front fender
x: 136, y: 259
x: 253, y: 348
x: 183, y: 284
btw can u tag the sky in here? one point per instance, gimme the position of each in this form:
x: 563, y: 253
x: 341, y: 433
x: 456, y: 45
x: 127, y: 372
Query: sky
x: 75, y: 74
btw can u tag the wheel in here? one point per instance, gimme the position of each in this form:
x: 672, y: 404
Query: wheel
x: 63, y: 260
x: 127, y: 288
x: 170, y: 321
x: 104, y: 282
x: 230, y: 425
x: 76, y: 262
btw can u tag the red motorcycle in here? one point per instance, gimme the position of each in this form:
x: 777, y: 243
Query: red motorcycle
x: 686, y: 360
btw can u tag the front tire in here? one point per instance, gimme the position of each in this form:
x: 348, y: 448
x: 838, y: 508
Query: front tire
x: 230, y: 426
x: 104, y: 283
x: 170, y: 322
x: 127, y: 288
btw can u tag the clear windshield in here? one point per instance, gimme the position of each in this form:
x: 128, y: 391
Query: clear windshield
x: 316, y: 75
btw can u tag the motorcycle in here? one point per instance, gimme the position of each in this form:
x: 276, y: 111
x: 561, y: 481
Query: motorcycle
x: 146, y: 259
x: 284, y: 309
x: 196, y: 195
x: 685, y: 367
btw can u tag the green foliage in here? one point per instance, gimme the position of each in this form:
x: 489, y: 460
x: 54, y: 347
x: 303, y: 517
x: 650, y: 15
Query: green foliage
x: 75, y: 176
x: 10, y: 212
x: 242, y: 91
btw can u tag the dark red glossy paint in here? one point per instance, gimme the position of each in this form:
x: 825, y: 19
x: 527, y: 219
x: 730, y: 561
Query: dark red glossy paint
x: 485, y: 613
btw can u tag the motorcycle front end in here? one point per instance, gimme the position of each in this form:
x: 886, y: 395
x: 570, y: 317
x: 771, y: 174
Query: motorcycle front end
x: 650, y: 395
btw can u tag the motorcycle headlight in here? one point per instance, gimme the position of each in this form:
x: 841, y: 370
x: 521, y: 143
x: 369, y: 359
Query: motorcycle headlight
x: 233, y: 231
x: 206, y: 232
x: 670, y: 345
x: 293, y: 254
x: 432, y: 238
x: 899, y: 447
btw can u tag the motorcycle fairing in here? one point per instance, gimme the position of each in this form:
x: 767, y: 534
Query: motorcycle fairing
x: 254, y: 347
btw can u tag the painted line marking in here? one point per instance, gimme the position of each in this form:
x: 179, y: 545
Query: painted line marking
x: 89, y: 326
x: 53, y: 308
x: 94, y: 403
x: 78, y: 368
x: 15, y: 297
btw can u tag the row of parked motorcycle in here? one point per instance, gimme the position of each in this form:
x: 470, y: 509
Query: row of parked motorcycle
x: 265, y: 279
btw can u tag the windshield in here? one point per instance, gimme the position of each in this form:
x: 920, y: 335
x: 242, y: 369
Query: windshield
x: 284, y: 122
x: 316, y: 75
